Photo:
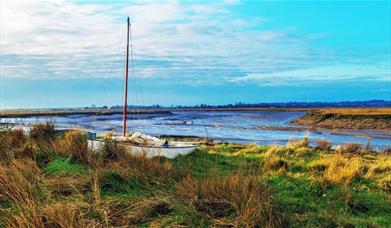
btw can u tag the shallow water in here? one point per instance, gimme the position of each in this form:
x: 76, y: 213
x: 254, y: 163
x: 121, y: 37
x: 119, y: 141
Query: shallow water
x: 230, y: 126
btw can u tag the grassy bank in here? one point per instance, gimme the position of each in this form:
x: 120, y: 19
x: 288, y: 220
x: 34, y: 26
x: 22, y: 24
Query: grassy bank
x: 54, y: 180
x: 347, y: 118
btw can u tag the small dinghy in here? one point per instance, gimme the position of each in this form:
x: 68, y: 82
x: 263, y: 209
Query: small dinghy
x: 139, y: 143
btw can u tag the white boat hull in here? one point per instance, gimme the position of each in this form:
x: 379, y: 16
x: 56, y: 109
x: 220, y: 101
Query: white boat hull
x: 168, y: 152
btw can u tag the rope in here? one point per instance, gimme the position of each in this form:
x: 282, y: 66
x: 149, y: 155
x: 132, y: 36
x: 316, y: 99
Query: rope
x: 107, y: 82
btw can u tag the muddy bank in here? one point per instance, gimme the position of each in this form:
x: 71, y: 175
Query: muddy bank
x: 354, y: 119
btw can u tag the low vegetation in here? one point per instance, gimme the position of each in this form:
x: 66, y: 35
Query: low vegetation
x: 52, y: 179
x: 347, y: 118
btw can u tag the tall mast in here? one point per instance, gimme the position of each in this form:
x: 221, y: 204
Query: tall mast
x: 126, y: 81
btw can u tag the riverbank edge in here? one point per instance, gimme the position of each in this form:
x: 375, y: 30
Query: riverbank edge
x: 346, y: 119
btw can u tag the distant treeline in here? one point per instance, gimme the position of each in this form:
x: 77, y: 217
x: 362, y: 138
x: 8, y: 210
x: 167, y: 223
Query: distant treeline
x: 370, y: 103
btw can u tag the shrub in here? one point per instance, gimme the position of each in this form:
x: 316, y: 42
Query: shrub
x: 43, y: 132
x: 296, y: 143
x: 76, y: 144
x: 387, y: 151
x: 233, y: 200
x: 15, y: 138
x: 323, y: 144
x: 349, y: 148
x: 11, y: 140
x: 111, y: 151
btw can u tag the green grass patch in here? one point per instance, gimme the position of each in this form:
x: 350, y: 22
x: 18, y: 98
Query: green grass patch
x: 61, y: 166
x: 202, y: 163
x: 114, y: 185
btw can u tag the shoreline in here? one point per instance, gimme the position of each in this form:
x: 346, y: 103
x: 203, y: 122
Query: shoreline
x: 340, y: 111
x: 63, y: 112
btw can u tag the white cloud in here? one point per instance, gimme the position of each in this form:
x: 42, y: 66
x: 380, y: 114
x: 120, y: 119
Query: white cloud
x: 183, y: 41
x: 321, y: 74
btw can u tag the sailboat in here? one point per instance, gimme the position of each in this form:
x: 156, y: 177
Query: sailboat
x: 138, y: 143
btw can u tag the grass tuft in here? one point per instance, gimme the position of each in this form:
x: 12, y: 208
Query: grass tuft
x: 337, y: 169
x: 233, y: 200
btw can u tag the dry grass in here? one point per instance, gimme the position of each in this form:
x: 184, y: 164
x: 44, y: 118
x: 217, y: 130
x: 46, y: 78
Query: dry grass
x: 26, y: 151
x: 66, y: 186
x: 294, y: 148
x: 21, y: 182
x: 113, y: 188
x: 380, y: 170
x: 233, y: 200
x: 347, y: 118
x: 382, y: 165
x: 357, y: 111
x: 61, y: 215
x: 149, y: 171
x: 119, y: 213
x: 272, y: 162
x: 337, y: 169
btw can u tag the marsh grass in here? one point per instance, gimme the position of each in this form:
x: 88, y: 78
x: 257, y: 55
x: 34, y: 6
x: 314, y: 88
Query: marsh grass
x: 272, y: 162
x: 233, y: 200
x: 294, y: 149
x: 49, y: 179
x: 21, y: 182
x: 338, y: 169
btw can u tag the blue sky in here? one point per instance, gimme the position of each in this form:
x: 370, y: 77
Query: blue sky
x: 71, y: 53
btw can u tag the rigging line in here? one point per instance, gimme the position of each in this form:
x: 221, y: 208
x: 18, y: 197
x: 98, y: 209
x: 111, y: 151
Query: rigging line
x: 138, y: 80
x: 107, y: 81
x: 132, y: 91
x: 136, y: 114
x: 136, y: 84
